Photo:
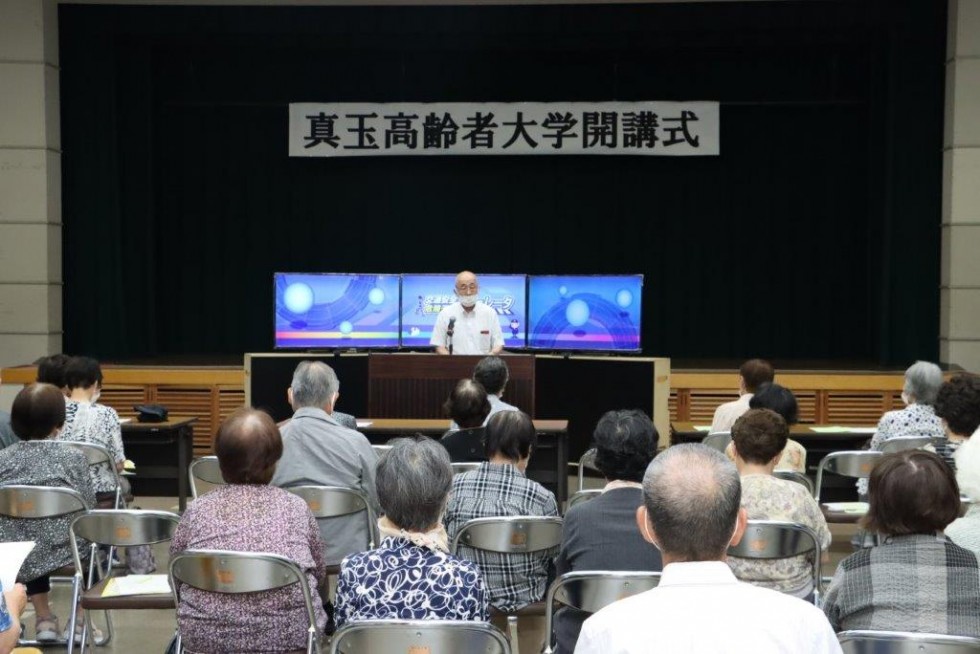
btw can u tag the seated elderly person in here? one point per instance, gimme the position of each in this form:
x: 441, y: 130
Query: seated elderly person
x: 469, y: 407
x: 89, y: 422
x: 916, y: 579
x: 249, y: 515
x: 759, y: 437
x: 499, y: 487
x: 781, y: 400
x: 958, y: 407
x: 411, y: 575
x: 965, y: 530
x: 601, y: 534
x: 37, y: 415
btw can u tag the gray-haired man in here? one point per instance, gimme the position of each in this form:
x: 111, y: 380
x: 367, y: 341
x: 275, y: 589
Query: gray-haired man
x: 318, y: 450
x: 691, y: 512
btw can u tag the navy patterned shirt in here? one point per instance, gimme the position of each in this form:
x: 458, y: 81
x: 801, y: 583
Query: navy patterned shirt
x: 403, y: 581
x: 496, y: 490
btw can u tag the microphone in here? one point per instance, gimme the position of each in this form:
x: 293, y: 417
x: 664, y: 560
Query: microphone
x: 451, y: 327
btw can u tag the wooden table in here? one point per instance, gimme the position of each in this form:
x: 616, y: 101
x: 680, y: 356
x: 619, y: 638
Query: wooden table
x: 549, y: 461
x: 162, y: 436
x: 818, y: 445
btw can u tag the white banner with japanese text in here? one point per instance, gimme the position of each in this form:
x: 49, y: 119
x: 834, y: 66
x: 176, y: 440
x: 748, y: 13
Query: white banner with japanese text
x: 630, y: 128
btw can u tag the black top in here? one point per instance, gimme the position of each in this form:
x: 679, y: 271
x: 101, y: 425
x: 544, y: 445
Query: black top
x: 601, y: 534
x: 465, y: 444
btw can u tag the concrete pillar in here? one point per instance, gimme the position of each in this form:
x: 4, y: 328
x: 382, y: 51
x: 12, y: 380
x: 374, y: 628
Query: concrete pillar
x: 959, y: 330
x: 30, y: 182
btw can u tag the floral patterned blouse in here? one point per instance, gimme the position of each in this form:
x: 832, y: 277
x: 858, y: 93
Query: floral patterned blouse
x: 250, y: 518
x: 403, y: 581
x: 913, y: 420
x: 765, y: 497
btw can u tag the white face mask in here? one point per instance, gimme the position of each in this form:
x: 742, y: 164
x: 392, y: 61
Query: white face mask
x: 95, y: 396
x: 467, y: 300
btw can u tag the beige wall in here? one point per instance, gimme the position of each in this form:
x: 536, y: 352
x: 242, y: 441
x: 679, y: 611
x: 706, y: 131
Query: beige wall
x: 959, y: 330
x: 30, y: 182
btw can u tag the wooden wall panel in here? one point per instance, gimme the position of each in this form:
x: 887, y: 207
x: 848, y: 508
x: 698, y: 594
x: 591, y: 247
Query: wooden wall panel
x: 855, y: 408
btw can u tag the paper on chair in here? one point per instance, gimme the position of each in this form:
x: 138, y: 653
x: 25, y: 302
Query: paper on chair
x: 12, y: 557
x: 137, y: 585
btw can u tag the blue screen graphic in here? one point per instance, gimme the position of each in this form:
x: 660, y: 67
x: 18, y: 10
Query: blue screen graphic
x: 336, y: 310
x: 424, y: 296
x: 584, y: 312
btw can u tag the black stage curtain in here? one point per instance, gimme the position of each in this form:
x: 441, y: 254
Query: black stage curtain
x: 814, y: 235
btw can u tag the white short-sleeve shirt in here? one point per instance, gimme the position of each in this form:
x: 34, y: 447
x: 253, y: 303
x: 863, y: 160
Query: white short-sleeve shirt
x: 700, y: 608
x: 475, y: 332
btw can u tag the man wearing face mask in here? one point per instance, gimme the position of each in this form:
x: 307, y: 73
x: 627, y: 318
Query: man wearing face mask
x: 691, y: 512
x: 467, y: 325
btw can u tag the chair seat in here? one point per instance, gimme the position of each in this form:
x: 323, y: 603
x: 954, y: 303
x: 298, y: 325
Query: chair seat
x: 534, y: 609
x: 92, y: 599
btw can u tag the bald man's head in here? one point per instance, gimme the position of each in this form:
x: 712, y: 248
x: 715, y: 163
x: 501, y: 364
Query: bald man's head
x: 692, y: 495
x: 248, y: 445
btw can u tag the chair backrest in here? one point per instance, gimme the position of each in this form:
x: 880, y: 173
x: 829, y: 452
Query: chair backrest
x: 327, y: 502
x: 583, y: 496
x: 900, y: 642
x: 510, y: 534
x: 205, y: 469
x: 798, y: 477
x: 419, y: 636
x: 905, y: 443
x: 464, y: 466
x: 718, y: 440
x: 587, y: 461
x: 591, y: 590
x: 857, y: 464
x: 221, y: 571
x: 40, y: 501
x: 122, y: 528
x: 773, y: 539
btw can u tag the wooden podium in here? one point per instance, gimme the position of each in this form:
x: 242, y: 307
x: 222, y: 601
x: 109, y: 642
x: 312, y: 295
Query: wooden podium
x: 416, y: 385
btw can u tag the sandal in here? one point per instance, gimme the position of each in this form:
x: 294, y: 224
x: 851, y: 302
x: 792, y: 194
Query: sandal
x: 46, y: 629
x: 94, y: 632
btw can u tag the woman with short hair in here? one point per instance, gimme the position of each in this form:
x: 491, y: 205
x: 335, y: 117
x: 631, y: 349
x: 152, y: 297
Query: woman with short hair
x: 411, y: 575
x: 468, y: 406
x: 759, y: 438
x: 782, y: 401
x: 249, y: 515
x: 916, y: 579
x: 37, y: 415
x: 500, y: 487
x: 601, y: 534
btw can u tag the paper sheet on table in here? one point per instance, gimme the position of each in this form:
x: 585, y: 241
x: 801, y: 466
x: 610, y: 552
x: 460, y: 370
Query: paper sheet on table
x: 137, y: 585
x: 848, y: 507
x: 12, y: 556
x: 703, y: 427
x: 837, y: 429
x: 364, y: 423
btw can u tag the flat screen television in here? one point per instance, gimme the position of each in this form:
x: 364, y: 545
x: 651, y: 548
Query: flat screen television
x: 424, y: 296
x: 584, y: 312
x: 335, y: 310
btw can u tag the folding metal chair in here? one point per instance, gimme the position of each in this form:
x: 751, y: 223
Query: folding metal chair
x: 591, y: 590
x: 465, y: 466
x: 220, y: 571
x: 327, y: 502
x: 421, y: 636
x: 41, y: 502
x: 901, y: 642
x: 905, y: 443
x: 587, y: 461
x: 583, y: 496
x: 119, y: 528
x: 204, y: 469
x: 718, y: 440
x: 798, y: 477
x: 96, y: 455
x: 773, y: 539
x: 381, y: 449
x: 512, y: 535
x: 857, y: 464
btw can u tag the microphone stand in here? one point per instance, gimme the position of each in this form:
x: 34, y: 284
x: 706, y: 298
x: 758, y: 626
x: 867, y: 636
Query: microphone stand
x: 449, y: 335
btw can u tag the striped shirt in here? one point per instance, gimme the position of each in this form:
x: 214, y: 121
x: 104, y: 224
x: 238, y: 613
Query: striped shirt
x: 494, y: 490
x: 918, y: 582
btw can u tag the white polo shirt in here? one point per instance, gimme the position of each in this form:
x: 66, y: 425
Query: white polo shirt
x: 475, y: 332
x: 701, y: 608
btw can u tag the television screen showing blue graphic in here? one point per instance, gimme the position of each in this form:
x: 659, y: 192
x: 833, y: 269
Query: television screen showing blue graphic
x: 336, y: 310
x: 424, y: 296
x: 584, y: 312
